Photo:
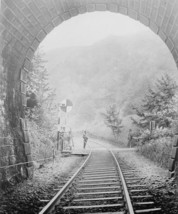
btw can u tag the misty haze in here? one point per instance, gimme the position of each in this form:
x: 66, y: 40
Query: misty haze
x: 116, y: 70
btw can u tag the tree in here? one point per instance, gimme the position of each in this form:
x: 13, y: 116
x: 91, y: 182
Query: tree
x: 41, y: 111
x: 113, y: 121
x: 40, y: 96
x: 158, y: 104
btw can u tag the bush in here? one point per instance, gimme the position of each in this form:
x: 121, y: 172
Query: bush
x: 158, y: 150
x: 42, y: 141
x: 146, y: 135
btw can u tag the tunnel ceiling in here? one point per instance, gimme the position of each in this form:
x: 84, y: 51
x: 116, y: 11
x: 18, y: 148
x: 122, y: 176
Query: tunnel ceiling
x: 25, y: 23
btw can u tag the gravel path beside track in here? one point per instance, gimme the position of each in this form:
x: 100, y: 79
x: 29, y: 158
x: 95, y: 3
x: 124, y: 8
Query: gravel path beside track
x: 156, y: 178
x: 25, y: 198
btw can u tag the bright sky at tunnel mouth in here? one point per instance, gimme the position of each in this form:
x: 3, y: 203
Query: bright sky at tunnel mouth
x: 86, y: 29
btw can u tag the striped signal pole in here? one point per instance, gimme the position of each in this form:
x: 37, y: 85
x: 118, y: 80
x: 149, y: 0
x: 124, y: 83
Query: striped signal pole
x: 65, y: 106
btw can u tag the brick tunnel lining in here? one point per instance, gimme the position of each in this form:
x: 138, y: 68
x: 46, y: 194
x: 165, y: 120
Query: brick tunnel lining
x: 23, y: 25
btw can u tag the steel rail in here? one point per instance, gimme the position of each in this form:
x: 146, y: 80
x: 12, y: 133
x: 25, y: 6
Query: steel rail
x: 51, y: 205
x: 126, y: 192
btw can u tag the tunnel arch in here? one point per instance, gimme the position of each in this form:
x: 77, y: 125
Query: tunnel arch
x: 23, y: 26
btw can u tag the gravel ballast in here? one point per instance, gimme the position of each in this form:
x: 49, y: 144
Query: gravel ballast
x: 156, y: 179
x: 29, y: 197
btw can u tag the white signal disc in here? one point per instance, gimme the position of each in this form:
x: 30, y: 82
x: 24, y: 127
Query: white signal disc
x: 66, y: 105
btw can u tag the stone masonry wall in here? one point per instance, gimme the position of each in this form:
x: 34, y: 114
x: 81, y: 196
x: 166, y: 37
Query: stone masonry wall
x: 23, y: 25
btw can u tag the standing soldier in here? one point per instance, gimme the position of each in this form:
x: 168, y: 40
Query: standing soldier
x: 130, y: 137
x: 85, y: 139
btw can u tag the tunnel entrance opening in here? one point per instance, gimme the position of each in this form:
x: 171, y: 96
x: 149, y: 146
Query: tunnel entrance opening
x: 24, y: 24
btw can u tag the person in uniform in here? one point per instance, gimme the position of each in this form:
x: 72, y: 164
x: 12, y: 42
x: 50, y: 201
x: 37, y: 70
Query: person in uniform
x: 85, y: 139
x: 130, y: 137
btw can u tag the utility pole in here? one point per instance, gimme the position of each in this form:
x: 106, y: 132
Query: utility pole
x: 59, y: 129
x: 152, y: 126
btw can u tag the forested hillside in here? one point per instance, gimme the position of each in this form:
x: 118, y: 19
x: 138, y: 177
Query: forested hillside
x: 117, y: 70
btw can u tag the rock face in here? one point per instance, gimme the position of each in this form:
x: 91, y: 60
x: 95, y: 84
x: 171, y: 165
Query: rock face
x: 23, y: 25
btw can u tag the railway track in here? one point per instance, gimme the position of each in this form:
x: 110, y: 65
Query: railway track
x: 104, y: 183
